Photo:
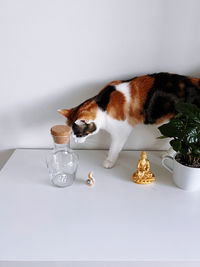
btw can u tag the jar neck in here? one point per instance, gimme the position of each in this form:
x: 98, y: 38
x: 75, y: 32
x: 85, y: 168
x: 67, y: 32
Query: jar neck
x: 58, y: 147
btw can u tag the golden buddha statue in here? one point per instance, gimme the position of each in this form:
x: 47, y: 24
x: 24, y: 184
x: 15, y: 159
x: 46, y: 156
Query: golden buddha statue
x: 143, y: 175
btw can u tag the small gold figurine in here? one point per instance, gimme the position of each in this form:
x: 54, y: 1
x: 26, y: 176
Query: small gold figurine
x: 90, y: 181
x: 143, y: 175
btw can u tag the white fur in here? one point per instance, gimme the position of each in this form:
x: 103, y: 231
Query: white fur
x: 79, y: 139
x: 79, y: 122
x: 119, y: 131
x: 125, y: 89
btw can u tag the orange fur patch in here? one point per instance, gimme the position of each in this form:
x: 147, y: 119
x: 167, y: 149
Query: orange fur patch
x: 139, y: 89
x: 115, y: 82
x: 117, y: 106
x: 87, y: 111
x: 164, y: 119
x: 195, y: 81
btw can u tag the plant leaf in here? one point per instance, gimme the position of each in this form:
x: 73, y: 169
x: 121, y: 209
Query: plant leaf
x: 174, y: 128
x: 176, y: 144
x: 191, y: 136
x: 189, y: 110
x: 196, y: 151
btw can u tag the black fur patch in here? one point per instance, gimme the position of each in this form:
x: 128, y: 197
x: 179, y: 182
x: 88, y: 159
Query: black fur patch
x: 102, y: 99
x: 167, y: 90
x: 84, y: 129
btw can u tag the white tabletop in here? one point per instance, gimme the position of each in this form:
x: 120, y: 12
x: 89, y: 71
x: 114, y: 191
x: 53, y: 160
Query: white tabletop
x: 116, y: 220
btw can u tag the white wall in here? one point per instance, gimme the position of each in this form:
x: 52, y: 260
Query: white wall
x: 56, y: 53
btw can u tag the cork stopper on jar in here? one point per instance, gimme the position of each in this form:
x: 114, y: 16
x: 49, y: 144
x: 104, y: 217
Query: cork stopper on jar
x: 61, y: 134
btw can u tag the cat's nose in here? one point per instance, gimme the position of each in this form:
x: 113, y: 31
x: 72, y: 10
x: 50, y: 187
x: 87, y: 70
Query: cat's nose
x: 78, y: 135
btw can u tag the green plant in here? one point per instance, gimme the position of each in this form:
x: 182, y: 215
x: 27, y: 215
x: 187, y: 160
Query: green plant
x: 184, y: 129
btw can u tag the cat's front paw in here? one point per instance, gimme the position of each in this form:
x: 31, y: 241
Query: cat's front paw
x: 108, y: 164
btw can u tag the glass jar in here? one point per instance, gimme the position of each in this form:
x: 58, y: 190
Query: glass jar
x: 62, y: 162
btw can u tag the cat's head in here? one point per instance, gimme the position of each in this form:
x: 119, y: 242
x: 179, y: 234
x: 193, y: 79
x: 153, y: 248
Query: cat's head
x: 82, y: 119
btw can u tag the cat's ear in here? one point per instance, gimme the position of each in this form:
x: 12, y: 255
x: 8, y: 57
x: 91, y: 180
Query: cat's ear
x: 64, y: 112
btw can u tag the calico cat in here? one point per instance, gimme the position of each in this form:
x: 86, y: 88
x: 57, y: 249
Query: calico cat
x: 120, y: 105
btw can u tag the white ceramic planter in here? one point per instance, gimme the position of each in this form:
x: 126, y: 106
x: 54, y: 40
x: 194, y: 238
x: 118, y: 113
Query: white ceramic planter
x: 186, y: 178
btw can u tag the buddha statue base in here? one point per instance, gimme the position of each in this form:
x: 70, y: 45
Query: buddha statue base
x: 143, y: 180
